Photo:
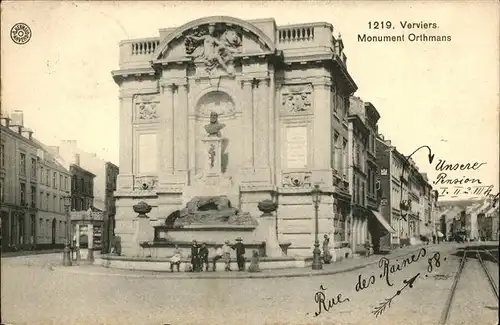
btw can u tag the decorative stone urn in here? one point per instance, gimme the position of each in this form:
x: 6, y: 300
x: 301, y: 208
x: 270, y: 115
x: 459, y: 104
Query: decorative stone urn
x: 142, y: 208
x: 267, y: 207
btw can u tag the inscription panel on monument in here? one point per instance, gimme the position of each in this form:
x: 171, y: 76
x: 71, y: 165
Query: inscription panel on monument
x: 296, y: 147
x: 147, y: 154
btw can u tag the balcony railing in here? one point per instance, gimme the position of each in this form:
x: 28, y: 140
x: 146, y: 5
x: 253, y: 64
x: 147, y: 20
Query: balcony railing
x: 145, y: 47
x: 296, y: 34
x: 137, y: 51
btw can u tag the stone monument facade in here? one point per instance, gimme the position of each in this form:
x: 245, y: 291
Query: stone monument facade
x: 244, y: 109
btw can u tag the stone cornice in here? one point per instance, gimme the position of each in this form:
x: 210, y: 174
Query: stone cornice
x: 131, y: 92
x: 170, y: 189
x: 307, y: 58
x: 351, y: 85
x: 120, y: 75
x: 135, y: 193
x: 249, y: 187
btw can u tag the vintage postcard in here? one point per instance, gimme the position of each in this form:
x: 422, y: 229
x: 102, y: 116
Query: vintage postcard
x: 249, y: 163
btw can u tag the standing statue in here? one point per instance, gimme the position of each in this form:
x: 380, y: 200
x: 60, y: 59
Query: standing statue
x: 214, y: 52
x: 211, y: 155
x: 213, y: 129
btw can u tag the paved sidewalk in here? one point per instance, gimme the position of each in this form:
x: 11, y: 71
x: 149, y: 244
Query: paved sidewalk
x: 328, y: 269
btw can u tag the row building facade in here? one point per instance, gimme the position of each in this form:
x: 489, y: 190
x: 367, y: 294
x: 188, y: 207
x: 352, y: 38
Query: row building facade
x: 93, y: 185
x: 32, y: 187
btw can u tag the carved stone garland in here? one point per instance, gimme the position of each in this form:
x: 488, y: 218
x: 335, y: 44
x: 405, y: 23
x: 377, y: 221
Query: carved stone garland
x: 146, y: 108
x: 145, y: 183
x: 297, y: 99
x: 297, y: 180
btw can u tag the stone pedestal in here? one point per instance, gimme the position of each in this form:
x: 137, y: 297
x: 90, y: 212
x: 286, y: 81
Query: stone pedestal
x: 143, y: 231
x: 211, y: 181
x: 267, y: 230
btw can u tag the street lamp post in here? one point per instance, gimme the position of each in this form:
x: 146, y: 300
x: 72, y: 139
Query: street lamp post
x: 67, y: 251
x: 316, y: 197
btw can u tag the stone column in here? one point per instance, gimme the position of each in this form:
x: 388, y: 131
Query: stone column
x: 181, y: 129
x: 322, y: 126
x: 167, y: 134
x: 261, y: 135
x: 247, y: 121
x: 90, y: 234
x: 272, y: 127
x: 125, y: 179
x: 255, y: 119
x: 77, y: 237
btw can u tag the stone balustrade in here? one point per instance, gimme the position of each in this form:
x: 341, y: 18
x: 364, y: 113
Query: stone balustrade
x: 138, y: 51
x: 317, y: 37
x: 302, y: 33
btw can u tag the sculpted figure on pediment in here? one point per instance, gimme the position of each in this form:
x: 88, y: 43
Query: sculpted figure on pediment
x: 215, y: 51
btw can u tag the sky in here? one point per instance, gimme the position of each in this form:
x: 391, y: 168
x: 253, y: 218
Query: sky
x: 444, y: 95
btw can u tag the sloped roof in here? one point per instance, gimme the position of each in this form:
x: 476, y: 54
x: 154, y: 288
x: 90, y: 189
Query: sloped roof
x: 50, y: 157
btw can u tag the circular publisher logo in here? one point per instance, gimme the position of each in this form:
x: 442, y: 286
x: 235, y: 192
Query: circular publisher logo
x: 20, y: 33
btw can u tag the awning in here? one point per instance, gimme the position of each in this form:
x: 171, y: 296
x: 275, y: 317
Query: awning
x: 383, y: 222
x: 440, y: 234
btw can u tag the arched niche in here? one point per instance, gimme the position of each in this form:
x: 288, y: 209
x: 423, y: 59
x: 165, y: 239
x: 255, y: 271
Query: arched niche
x: 215, y: 101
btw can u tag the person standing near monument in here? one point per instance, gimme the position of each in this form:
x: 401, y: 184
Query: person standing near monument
x: 327, y: 257
x: 240, y: 253
x: 218, y: 256
x: 204, y: 256
x: 254, y: 262
x: 195, y: 257
x: 175, y: 259
x: 226, y: 255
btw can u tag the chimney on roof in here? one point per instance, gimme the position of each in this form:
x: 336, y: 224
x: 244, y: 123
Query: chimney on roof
x: 76, y: 159
x: 28, y: 132
x: 17, y: 118
x: 17, y: 121
x: 5, y: 120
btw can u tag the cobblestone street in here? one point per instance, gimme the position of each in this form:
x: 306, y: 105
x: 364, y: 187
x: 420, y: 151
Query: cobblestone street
x: 35, y: 293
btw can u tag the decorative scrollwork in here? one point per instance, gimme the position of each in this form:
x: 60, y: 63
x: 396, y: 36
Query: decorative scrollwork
x: 145, y: 183
x: 297, y: 180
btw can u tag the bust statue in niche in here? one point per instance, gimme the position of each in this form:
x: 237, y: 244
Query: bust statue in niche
x: 214, y: 127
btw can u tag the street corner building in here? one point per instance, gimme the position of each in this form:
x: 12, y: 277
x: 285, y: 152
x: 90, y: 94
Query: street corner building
x: 226, y: 125
x: 33, y: 184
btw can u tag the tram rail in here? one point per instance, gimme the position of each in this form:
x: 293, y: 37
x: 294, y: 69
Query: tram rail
x: 449, y: 302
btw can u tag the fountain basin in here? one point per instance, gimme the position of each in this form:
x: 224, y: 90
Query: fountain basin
x: 162, y: 264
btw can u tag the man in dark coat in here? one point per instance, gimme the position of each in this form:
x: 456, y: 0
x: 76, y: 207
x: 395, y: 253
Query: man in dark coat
x: 195, y: 257
x: 240, y: 253
x: 204, y: 256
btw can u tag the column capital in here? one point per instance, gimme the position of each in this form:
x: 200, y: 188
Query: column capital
x: 173, y: 82
x: 254, y: 80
